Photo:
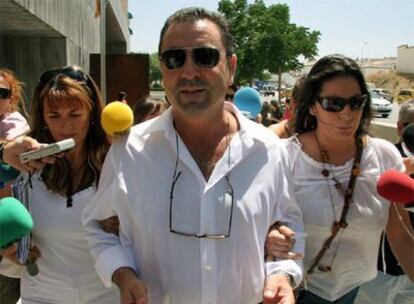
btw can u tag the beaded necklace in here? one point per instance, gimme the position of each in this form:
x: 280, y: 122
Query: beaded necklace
x: 341, y: 224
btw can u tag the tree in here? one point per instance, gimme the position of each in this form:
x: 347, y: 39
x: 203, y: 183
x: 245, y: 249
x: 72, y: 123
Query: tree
x: 155, y: 71
x: 266, y: 40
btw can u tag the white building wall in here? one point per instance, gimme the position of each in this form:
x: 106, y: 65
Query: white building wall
x: 405, y: 59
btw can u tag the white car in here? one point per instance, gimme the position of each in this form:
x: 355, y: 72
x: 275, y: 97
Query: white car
x: 379, y: 105
x: 383, y: 93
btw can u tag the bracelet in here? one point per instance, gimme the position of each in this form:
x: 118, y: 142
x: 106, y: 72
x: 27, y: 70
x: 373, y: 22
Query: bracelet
x: 288, y: 275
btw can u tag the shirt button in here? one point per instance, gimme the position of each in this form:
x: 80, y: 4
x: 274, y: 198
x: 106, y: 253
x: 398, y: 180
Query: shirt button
x: 208, y: 268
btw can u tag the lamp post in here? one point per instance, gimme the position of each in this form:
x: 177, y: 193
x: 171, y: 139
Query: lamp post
x: 103, y: 4
x: 362, y: 50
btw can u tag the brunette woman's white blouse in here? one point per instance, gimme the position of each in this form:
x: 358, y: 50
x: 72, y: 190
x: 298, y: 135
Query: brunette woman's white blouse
x: 66, y: 268
x: 354, y: 253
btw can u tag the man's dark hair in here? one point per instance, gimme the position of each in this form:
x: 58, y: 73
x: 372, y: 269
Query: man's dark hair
x: 325, y: 69
x: 197, y: 13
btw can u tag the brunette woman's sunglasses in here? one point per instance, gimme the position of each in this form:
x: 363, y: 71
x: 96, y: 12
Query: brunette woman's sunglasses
x: 337, y: 104
x: 5, y: 93
x: 203, y: 57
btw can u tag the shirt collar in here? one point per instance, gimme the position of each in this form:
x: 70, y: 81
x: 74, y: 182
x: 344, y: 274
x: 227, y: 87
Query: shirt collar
x: 250, y: 131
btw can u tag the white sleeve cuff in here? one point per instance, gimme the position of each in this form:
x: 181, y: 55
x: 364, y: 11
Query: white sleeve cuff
x: 110, y: 260
x: 292, y: 267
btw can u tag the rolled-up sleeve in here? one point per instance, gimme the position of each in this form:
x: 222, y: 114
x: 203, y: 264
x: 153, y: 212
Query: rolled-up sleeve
x: 106, y: 248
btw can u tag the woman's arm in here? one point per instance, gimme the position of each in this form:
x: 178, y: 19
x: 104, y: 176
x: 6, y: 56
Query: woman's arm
x: 400, y: 234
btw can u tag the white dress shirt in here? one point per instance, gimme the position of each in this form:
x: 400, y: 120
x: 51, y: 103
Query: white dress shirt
x: 135, y: 184
x: 355, y: 251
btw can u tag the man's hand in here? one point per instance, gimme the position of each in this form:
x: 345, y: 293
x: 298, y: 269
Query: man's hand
x: 13, y: 149
x: 132, y: 290
x: 280, y: 240
x: 409, y: 165
x: 110, y: 225
x: 278, y: 290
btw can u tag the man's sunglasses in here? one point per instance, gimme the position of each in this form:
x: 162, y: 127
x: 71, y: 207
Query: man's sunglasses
x: 337, y: 104
x: 5, y: 93
x: 203, y: 57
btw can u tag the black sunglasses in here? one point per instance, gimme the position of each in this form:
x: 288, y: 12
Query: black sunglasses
x: 337, y: 104
x: 229, y: 194
x: 5, y: 93
x: 73, y: 73
x: 203, y: 57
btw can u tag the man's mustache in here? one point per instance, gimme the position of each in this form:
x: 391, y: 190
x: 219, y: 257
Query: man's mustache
x: 196, y: 82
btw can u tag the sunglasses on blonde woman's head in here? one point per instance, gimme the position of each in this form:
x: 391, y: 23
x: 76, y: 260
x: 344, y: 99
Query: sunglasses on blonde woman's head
x: 337, y: 104
x: 5, y: 93
x: 203, y: 57
x: 73, y: 73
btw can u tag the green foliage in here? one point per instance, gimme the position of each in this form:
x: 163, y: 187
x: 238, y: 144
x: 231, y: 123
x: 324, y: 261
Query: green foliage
x: 265, y: 39
x: 155, y: 71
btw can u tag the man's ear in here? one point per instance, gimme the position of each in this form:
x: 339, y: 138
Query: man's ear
x: 232, y: 61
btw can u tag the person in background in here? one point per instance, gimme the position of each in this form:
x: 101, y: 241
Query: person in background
x: 285, y: 128
x: 12, y: 124
x: 335, y: 166
x: 195, y: 189
x: 122, y: 97
x: 392, y: 285
x: 277, y: 111
x: 231, y: 91
x: 148, y: 107
x: 66, y: 104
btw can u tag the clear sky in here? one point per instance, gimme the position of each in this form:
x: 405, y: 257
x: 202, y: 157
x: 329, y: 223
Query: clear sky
x: 373, y: 28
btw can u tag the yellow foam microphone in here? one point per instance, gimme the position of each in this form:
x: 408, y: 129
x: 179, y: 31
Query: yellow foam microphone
x: 117, y: 118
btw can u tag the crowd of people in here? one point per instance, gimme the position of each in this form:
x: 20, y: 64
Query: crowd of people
x: 199, y: 204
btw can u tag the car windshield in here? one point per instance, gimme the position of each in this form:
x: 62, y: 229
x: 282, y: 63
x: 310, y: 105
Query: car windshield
x: 405, y: 93
x: 374, y: 95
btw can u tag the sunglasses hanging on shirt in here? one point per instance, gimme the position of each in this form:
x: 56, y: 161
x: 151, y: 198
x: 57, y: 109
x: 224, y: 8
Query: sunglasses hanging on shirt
x: 337, y: 104
x: 203, y: 57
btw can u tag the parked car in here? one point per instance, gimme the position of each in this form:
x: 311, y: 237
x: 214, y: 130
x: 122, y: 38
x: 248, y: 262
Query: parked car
x: 379, y: 105
x: 384, y: 93
x: 405, y: 95
x: 268, y: 90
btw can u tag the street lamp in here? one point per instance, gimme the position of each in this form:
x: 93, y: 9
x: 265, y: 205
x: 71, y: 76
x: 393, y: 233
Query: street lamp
x: 362, y: 50
x: 103, y: 4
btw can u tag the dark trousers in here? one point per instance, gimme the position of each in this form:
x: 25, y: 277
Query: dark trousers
x: 306, y: 297
x: 9, y: 290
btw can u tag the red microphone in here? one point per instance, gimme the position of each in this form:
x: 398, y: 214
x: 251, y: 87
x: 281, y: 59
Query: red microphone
x: 396, y: 187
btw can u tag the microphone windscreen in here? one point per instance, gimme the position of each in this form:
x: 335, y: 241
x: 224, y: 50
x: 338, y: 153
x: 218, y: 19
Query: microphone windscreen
x: 15, y: 221
x: 396, y: 186
x: 117, y: 118
x: 7, y: 173
x: 408, y: 137
x: 248, y: 101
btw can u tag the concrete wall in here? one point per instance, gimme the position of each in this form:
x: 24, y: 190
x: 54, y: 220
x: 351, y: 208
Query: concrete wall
x: 48, y: 33
x: 384, y: 130
x: 73, y: 19
x: 405, y: 59
x: 29, y: 57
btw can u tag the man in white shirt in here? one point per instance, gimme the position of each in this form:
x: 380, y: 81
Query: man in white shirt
x: 196, y: 189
